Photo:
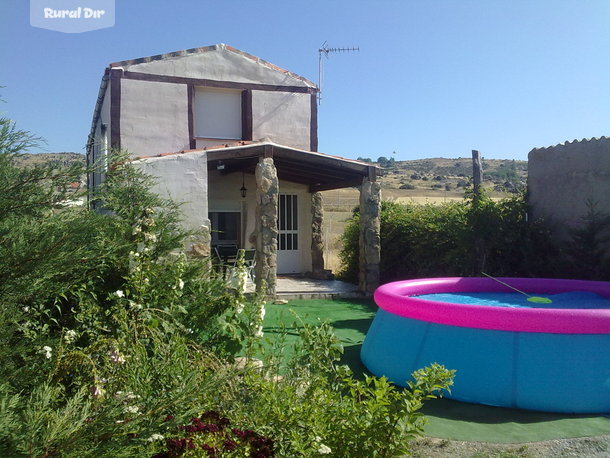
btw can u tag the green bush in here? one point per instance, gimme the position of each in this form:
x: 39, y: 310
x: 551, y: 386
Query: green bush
x: 113, y: 343
x: 456, y: 239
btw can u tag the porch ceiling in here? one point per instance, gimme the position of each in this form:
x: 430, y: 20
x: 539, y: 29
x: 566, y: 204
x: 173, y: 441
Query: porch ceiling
x: 320, y: 171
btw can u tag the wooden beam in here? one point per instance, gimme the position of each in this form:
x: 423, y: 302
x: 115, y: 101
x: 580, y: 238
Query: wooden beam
x: 223, y: 155
x: 268, y: 151
x: 215, y: 83
x: 304, y: 168
x: 246, y: 165
x: 327, y: 161
x: 372, y: 174
x: 335, y: 185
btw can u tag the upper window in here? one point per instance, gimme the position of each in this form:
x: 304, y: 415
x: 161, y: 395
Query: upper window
x: 218, y: 113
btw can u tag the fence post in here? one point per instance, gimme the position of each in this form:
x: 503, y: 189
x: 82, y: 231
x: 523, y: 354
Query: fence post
x: 479, y: 244
x: 477, y: 173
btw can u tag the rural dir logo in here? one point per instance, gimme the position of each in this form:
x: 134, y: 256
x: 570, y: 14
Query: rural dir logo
x: 72, y: 16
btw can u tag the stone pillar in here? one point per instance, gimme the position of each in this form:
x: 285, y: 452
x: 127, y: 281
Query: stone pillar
x: 317, y: 240
x: 370, y: 241
x: 267, y: 189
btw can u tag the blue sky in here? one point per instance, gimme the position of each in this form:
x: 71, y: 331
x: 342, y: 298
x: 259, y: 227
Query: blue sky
x: 433, y: 78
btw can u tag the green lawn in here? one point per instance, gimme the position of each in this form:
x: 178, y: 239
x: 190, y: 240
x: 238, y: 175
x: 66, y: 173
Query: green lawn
x: 447, y: 419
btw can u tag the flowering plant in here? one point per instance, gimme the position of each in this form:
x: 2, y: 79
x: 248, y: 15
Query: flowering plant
x: 211, y: 435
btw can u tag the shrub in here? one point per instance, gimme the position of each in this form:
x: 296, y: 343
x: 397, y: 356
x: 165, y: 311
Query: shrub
x: 113, y: 343
x: 456, y: 239
x: 588, y: 251
x: 318, y: 408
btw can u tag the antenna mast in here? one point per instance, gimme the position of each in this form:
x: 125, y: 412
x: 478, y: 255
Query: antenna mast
x: 326, y: 50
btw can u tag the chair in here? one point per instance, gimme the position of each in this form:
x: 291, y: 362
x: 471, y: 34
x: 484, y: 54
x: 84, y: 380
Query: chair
x: 250, y: 262
x: 226, y: 253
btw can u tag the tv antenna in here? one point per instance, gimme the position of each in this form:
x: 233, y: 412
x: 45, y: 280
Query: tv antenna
x: 325, y: 50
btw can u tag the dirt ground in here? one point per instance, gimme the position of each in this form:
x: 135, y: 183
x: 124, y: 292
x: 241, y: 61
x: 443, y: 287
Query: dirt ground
x: 577, y: 447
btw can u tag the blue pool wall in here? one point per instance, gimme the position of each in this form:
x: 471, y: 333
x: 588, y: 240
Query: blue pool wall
x: 568, y: 373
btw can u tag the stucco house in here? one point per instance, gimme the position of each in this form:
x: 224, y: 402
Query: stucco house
x: 235, y: 138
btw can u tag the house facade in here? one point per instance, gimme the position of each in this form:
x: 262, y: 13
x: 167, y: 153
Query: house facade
x: 234, y: 137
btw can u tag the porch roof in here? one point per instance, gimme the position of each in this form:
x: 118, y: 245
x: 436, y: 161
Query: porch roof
x: 318, y: 170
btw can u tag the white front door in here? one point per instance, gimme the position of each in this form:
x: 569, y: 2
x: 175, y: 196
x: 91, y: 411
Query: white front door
x: 289, y: 245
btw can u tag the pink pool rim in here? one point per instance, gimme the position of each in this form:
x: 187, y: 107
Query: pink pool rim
x: 397, y: 299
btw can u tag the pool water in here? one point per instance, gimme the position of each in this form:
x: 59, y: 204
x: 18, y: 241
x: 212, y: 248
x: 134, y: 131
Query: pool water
x: 569, y: 300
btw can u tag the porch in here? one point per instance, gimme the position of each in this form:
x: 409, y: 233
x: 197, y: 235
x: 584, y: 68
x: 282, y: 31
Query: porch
x: 299, y: 287
x: 270, y: 193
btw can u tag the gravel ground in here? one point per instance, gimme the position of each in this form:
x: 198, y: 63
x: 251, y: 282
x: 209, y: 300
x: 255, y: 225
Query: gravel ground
x: 578, y: 447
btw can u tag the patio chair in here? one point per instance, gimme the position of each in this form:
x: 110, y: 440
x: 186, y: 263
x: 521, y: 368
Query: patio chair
x: 250, y: 262
x: 227, y: 253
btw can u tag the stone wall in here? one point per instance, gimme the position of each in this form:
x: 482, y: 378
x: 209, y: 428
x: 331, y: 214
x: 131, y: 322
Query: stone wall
x: 267, y: 189
x: 563, y: 178
x: 370, y: 240
x: 317, y: 239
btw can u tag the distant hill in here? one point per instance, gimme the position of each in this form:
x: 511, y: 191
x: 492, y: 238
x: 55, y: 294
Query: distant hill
x: 424, y: 175
x: 501, y: 175
x: 56, y: 159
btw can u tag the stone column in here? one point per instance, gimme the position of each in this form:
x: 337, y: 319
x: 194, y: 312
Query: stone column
x: 317, y: 240
x: 370, y: 241
x: 267, y: 189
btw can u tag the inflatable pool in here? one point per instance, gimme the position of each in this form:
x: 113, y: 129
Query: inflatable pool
x: 552, y: 357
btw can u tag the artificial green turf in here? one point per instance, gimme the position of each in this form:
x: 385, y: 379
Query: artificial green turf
x: 447, y: 419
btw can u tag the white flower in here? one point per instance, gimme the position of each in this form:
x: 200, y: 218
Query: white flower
x: 132, y: 409
x: 324, y: 449
x: 259, y: 331
x: 119, y: 293
x: 155, y: 437
x: 127, y: 396
x: 148, y: 237
x: 261, y: 313
x: 116, y: 357
x: 97, y: 391
x: 180, y: 283
x: 47, y: 351
x: 70, y: 336
x: 135, y: 305
x: 26, y: 309
x: 136, y: 230
x: 239, y: 307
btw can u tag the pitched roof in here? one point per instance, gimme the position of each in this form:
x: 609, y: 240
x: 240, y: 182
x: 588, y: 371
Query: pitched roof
x: 318, y: 170
x: 207, y: 49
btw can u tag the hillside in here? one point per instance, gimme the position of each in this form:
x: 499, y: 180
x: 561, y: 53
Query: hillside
x: 423, y: 176
x: 441, y: 174
x: 56, y: 159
